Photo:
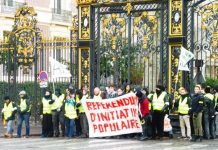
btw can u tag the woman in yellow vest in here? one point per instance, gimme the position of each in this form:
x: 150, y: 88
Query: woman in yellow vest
x: 70, y: 115
x: 8, y: 112
x: 183, y: 103
x: 46, y: 111
x: 24, y: 114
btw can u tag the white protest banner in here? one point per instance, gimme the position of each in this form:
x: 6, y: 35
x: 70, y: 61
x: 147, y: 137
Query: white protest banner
x: 114, y: 116
x: 184, y: 58
x: 58, y: 69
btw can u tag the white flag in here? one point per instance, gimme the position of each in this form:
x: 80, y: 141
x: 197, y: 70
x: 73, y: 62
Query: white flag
x: 59, y: 70
x: 184, y: 58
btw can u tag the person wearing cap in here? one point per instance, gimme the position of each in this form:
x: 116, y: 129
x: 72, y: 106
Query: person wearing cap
x: 196, y: 110
x: 57, y: 115
x: 160, y: 105
x: 183, y: 104
x: 209, y: 114
x: 24, y: 109
x: 8, y: 112
x: 144, y: 113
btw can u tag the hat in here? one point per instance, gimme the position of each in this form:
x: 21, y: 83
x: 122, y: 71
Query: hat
x: 139, y: 93
x: 22, y: 93
x: 162, y: 88
x: 6, y: 98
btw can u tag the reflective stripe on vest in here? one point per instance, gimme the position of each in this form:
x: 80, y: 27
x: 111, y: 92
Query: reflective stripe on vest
x: 23, y: 105
x: 158, y: 102
x: 8, y: 109
x: 58, y: 101
x: 70, y: 111
x: 183, y: 106
x: 46, y: 106
x: 209, y: 96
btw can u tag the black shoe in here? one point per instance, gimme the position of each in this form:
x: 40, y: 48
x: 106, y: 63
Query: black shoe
x: 143, y: 138
x: 171, y: 136
x: 194, y: 139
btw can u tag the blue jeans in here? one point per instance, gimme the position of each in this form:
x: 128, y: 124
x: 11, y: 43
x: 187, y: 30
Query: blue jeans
x: 26, y: 118
x: 10, y: 128
x: 70, y: 127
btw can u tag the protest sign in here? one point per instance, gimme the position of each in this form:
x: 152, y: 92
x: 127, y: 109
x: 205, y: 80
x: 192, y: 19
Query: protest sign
x: 114, y: 116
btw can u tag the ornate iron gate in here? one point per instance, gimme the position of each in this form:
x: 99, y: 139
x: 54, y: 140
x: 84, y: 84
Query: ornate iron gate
x: 130, y: 44
x: 202, y: 39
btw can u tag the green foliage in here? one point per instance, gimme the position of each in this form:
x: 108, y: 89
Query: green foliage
x: 212, y: 82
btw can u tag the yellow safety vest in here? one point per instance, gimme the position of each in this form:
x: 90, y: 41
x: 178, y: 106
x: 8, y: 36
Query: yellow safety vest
x: 158, y: 102
x: 209, y: 96
x: 58, y: 101
x: 23, y: 105
x: 183, y: 106
x: 8, y: 110
x: 46, y: 106
x: 70, y: 111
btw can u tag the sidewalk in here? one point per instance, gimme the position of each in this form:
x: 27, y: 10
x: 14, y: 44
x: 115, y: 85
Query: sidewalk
x: 35, y: 129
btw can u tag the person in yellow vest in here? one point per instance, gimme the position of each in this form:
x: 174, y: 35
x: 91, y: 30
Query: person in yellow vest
x: 82, y: 96
x: 70, y: 115
x: 183, y: 104
x: 57, y: 115
x: 24, y: 108
x: 160, y: 104
x: 46, y: 115
x: 209, y: 114
x: 8, y: 112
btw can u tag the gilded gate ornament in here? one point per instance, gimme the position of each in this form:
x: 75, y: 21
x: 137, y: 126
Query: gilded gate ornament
x: 176, y: 12
x: 24, y: 30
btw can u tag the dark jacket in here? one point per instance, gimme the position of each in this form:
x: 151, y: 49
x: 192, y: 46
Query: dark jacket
x: 197, y: 103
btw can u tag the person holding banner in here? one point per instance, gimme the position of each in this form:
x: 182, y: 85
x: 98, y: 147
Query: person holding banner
x: 70, y: 115
x: 160, y: 104
x: 97, y: 93
x: 144, y: 113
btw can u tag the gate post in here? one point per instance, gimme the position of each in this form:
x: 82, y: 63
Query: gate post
x: 177, y: 36
x: 85, y: 40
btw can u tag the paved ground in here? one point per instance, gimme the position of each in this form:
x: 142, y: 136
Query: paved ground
x: 37, y: 143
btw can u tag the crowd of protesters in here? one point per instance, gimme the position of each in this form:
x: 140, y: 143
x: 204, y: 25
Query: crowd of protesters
x: 62, y: 114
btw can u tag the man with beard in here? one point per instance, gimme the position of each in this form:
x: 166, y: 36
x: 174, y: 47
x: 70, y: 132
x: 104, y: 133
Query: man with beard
x: 160, y: 104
